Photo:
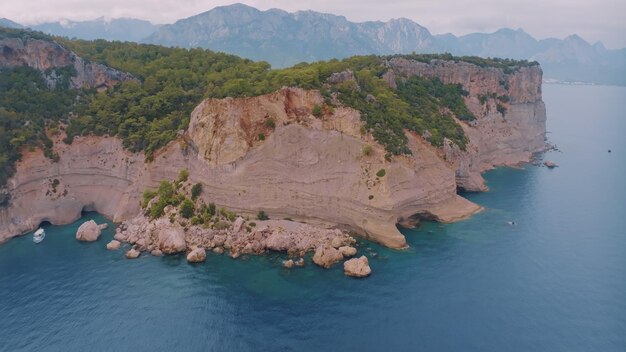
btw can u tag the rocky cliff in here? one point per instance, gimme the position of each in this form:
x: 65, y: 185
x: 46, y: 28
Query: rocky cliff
x: 510, y: 115
x: 305, y: 168
x: 270, y: 153
x: 45, y: 55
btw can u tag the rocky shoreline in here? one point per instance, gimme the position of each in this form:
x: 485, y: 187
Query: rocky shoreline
x: 173, y: 234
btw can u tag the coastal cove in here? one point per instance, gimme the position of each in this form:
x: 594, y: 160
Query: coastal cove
x: 554, y: 281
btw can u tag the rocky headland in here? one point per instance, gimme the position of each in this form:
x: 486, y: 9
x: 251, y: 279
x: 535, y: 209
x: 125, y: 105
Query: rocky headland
x: 274, y: 153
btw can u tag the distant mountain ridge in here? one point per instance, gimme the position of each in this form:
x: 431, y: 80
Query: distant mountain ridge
x: 121, y: 29
x: 284, y: 39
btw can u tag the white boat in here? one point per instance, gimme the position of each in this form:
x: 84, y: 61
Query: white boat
x: 39, y: 235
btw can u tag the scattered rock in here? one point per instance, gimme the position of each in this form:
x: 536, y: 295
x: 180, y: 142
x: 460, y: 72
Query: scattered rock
x: 238, y: 224
x: 89, y: 231
x: 326, y: 256
x: 336, y: 242
x: 347, y: 251
x: 114, y: 245
x: 170, y: 238
x: 197, y: 255
x: 357, y: 267
x: 288, y: 264
x: 218, y: 250
x: 103, y: 226
x: 299, y: 262
x: 156, y: 252
x: 550, y: 164
x: 132, y: 253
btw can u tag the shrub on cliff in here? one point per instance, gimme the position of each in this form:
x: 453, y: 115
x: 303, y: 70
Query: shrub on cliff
x: 367, y: 150
x: 183, y: 176
x: 147, y: 196
x: 187, y: 208
x: 196, y: 190
x: 211, y: 209
x: 262, y: 216
x: 317, y: 111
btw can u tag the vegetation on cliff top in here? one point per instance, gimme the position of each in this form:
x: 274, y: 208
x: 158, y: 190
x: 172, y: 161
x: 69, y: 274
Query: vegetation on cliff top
x: 147, y: 114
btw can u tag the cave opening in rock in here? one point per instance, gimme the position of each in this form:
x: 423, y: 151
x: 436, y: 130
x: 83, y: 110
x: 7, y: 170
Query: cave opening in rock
x: 44, y: 224
x: 414, y: 220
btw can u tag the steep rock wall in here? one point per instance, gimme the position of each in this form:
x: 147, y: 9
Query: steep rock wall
x: 43, y: 55
x: 494, y: 138
x: 306, y: 168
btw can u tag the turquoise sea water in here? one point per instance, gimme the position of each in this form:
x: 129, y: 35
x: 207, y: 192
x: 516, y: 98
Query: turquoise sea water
x: 556, y: 281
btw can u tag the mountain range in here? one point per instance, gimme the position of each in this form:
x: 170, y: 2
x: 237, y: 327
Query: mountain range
x: 284, y: 39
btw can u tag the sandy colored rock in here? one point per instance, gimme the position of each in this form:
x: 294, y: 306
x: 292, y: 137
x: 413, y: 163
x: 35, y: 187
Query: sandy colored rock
x: 218, y: 250
x: 357, y: 267
x: 550, y: 164
x: 89, y: 231
x: 156, y: 252
x: 197, y: 255
x: 326, y: 256
x: 170, y: 238
x: 237, y: 225
x: 103, y: 226
x: 299, y: 262
x: 132, y: 253
x: 288, y: 263
x: 114, y: 245
x: 347, y: 251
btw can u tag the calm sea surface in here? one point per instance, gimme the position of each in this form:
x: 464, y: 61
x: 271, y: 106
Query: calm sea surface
x: 556, y: 281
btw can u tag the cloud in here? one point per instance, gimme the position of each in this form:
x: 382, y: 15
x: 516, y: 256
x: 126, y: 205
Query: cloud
x: 598, y: 20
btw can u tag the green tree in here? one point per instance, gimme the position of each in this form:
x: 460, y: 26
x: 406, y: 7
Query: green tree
x: 187, y: 208
x: 196, y: 190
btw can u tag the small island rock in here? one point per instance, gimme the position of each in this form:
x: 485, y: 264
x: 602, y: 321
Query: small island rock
x: 114, y: 245
x: 89, y: 231
x: 288, y: 264
x: 550, y: 164
x: 197, y: 255
x: 357, y: 267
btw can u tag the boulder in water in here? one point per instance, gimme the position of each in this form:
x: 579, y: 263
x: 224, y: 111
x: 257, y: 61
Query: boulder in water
x: 197, y: 255
x: 114, y: 245
x: 132, y: 253
x: 357, y: 267
x: 288, y: 264
x: 550, y: 164
x: 326, y: 256
x: 89, y: 231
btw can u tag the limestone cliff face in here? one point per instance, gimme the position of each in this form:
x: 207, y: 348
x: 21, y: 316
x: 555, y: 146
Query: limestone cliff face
x: 306, y: 168
x: 43, y: 55
x: 495, y: 138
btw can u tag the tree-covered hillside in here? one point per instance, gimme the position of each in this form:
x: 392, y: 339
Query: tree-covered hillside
x: 146, y: 114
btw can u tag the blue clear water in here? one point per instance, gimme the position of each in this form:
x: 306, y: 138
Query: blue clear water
x: 554, y: 282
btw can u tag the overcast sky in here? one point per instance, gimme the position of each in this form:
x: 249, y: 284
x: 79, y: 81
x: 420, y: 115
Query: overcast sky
x: 593, y: 20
